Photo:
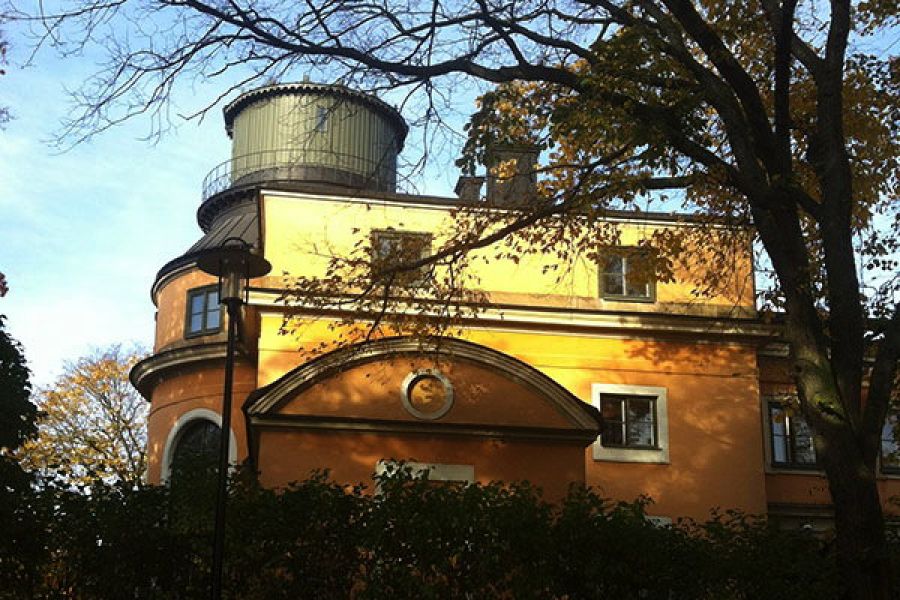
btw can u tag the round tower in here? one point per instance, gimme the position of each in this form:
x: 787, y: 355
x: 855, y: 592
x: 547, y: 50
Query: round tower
x: 310, y: 133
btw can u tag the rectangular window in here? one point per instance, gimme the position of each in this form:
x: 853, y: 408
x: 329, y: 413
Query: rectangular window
x: 391, y: 247
x: 890, y: 444
x: 628, y: 421
x: 321, y: 119
x: 204, y: 314
x: 791, y: 439
x: 634, y: 423
x: 627, y: 274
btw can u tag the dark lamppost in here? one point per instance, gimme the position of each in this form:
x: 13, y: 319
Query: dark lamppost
x: 234, y: 264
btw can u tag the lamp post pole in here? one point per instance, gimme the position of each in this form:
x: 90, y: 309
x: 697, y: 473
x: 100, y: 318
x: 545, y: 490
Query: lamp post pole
x: 234, y: 264
x: 233, y: 306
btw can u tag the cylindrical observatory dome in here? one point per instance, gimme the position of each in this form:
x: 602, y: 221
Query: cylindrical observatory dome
x: 309, y: 132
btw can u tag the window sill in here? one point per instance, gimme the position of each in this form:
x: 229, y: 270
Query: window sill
x: 624, y: 454
x: 199, y: 334
x: 793, y: 470
x: 630, y: 299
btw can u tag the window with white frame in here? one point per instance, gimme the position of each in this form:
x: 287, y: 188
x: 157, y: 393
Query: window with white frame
x: 628, y: 421
x: 790, y: 438
x: 195, y: 434
x: 627, y: 274
x: 391, y: 247
x: 635, y: 424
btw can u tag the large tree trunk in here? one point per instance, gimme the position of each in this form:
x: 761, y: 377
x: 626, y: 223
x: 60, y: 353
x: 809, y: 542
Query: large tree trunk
x: 862, y: 556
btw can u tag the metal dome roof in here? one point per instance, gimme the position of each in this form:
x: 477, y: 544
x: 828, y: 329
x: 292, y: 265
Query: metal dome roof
x: 234, y: 107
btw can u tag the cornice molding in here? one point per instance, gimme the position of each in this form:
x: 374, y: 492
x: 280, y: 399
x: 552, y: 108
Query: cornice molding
x: 596, y: 321
x: 146, y: 373
x: 319, y: 423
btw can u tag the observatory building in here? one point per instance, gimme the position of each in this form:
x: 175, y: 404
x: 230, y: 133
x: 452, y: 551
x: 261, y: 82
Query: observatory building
x: 631, y: 386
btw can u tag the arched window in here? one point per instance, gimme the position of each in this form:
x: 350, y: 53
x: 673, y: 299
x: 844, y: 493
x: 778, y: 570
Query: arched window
x: 196, y: 449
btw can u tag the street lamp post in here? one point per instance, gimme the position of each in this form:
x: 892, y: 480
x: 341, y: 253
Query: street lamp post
x: 234, y: 264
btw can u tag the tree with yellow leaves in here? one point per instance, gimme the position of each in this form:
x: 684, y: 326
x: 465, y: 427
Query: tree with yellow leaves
x: 92, y: 423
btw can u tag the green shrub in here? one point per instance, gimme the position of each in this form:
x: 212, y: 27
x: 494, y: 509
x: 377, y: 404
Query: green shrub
x: 408, y: 539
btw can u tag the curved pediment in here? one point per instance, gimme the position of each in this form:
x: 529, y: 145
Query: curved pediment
x: 405, y: 384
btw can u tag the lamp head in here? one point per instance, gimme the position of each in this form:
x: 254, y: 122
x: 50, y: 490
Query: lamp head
x: 234, y: 263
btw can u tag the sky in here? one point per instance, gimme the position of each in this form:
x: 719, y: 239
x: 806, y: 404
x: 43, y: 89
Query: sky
x: 83, y: 232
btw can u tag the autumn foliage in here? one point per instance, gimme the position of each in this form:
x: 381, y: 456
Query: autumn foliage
x: 92, y: 423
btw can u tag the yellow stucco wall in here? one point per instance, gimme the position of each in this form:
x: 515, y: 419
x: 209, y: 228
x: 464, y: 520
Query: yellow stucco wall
x: 190, y: 389
x: 302, y: 232
x: 171, y: 298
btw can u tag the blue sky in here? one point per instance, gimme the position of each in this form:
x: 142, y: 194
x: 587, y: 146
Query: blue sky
x: 83, y: 232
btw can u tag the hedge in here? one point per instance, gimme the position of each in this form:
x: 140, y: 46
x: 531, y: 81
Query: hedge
x: 407, y: 539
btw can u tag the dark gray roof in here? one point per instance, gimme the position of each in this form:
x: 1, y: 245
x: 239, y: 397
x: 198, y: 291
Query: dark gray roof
x: 241, y: 222
x: 241, y: 225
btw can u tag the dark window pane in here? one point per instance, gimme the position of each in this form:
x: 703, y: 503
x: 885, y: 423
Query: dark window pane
x: 640, y: 434
x: 637, y: 289
x: 321, y: 119
x: 613, y: 285
x: 611, y: 407
x: 804, y: 451
x: 615, y: 265
x: 792, y: 438
x: 638, y: 275
x: 640, y: 410
x: 628, y: 420
x: 612, y: 434
x: 204, y: 311
x: 197, y: 448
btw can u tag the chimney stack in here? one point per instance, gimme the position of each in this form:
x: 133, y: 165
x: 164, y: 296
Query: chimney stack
x: 468, y: 188
x: 518, y: 187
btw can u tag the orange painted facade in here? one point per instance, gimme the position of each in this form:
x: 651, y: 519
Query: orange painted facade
x: 528, y: 392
